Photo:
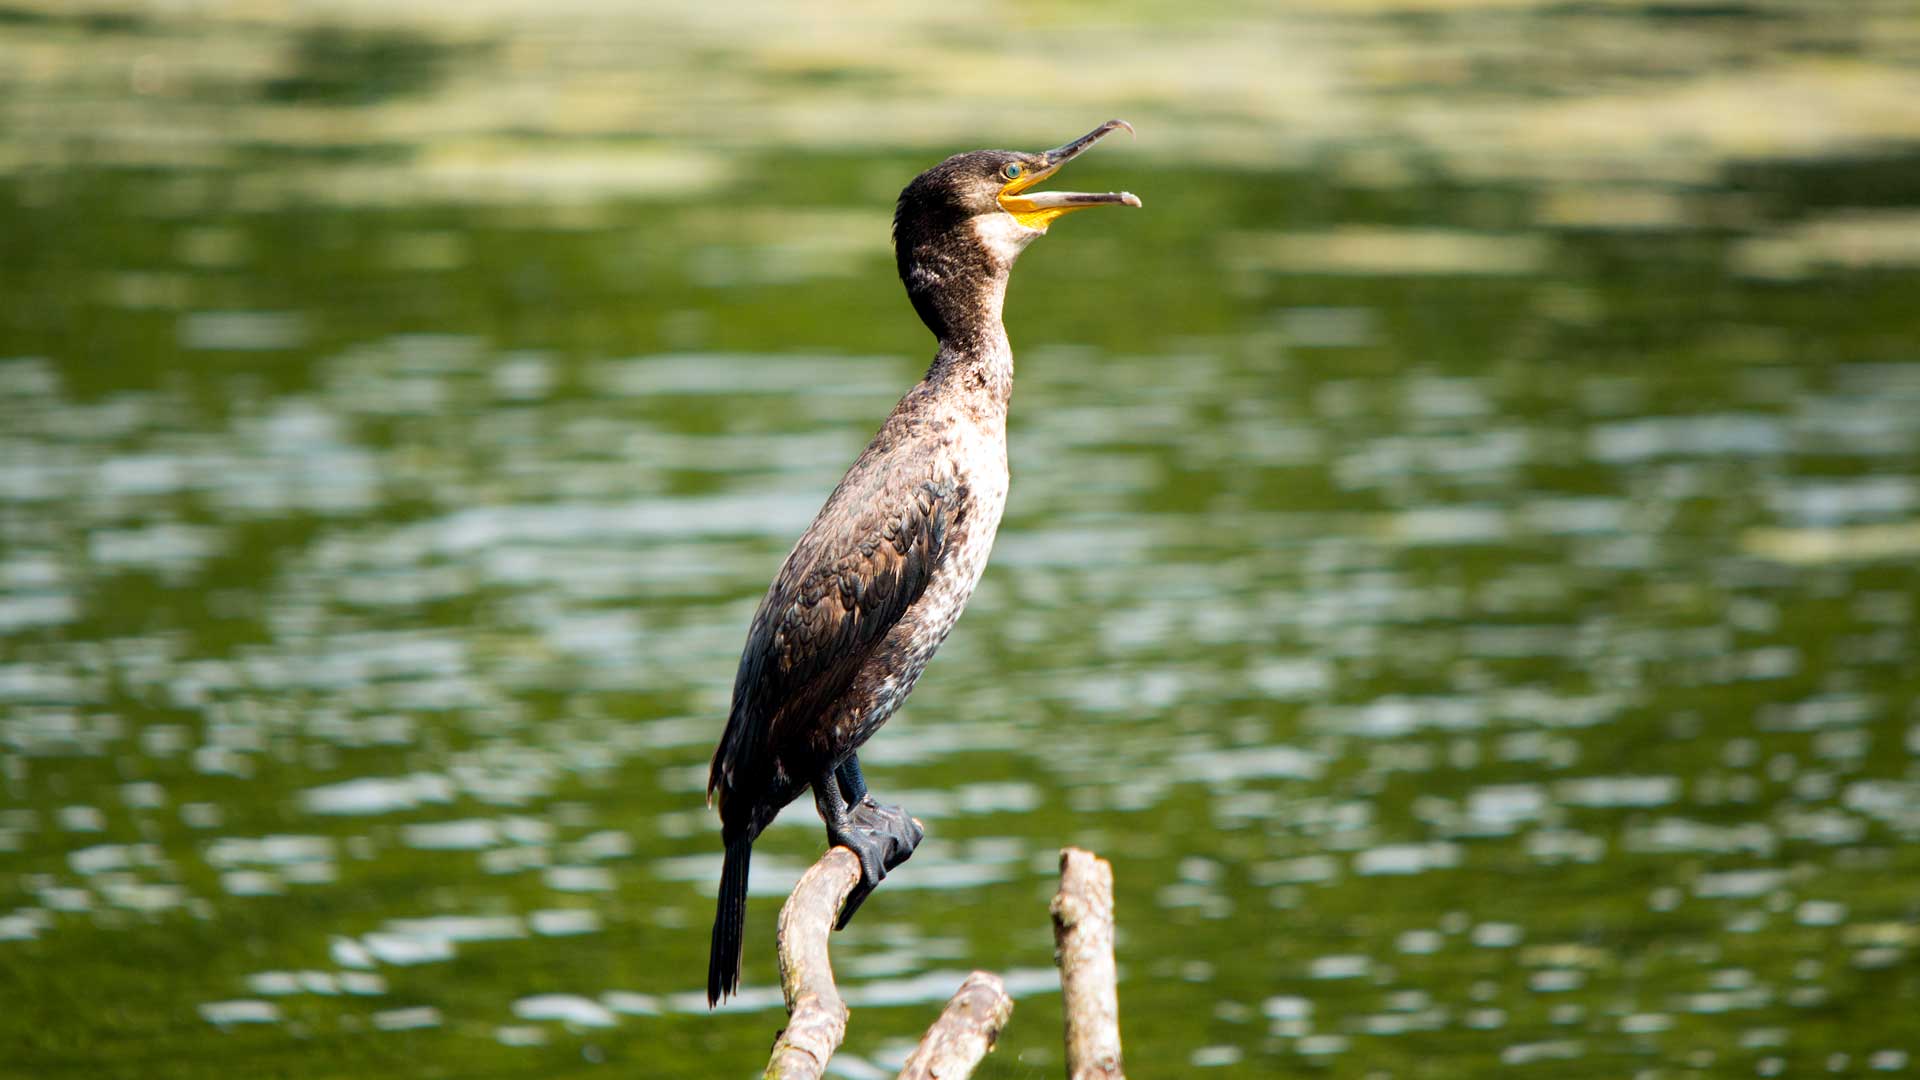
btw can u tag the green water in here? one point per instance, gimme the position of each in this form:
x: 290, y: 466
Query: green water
x: 1470, y: 598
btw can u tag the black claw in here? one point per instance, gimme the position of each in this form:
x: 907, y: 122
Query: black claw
x: 872, y: 853
x: 854, y: 899
x: 882, y: 837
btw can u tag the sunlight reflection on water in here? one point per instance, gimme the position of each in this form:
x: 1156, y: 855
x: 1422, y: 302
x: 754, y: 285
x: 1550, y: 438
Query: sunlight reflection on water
x: 1470, y: 632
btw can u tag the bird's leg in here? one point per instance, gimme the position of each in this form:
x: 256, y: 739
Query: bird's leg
x: 877, y: 851
x: 853, y: 785
x: 868, y: 814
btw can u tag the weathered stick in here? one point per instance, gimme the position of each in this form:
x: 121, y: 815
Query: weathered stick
x: 1083, y: 947
x: 966, y: 1030
x: 816, y: 1015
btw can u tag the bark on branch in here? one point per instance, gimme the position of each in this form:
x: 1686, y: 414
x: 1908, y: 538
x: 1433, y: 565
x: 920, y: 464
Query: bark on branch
x: 816, y: 1016
x: 1083, y: 946
x: 966, y: 1030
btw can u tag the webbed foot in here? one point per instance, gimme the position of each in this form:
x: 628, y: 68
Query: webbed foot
x: 883, y: 837
x: 891, y: 821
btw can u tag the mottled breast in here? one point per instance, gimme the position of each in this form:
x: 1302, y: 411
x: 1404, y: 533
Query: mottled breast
x: 969, y: 452
x: 866, y: 596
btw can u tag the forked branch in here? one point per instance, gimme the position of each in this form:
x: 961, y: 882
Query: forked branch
x: 973, y: 1018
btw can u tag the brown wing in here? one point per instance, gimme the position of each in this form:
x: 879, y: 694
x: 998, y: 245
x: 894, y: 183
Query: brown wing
x: 848, y: 581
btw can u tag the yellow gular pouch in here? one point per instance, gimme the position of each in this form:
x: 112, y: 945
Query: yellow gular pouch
x: 1035, y: 217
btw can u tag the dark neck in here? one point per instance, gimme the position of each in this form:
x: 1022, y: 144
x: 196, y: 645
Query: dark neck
x: 974, y: 355
x: 958, y: 291
x: 982, y: 369
x: 955, y: 268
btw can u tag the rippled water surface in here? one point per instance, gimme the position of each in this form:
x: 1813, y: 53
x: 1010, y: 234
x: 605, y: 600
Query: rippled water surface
x: 1461, y: 571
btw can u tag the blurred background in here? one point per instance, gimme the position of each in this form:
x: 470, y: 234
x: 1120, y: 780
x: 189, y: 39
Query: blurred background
x: 1460, y: 565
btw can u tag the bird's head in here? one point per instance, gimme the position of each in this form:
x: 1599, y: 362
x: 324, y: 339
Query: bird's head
x: 964, y: 221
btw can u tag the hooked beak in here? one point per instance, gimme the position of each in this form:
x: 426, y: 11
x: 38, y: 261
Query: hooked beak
x: 1038, y: 209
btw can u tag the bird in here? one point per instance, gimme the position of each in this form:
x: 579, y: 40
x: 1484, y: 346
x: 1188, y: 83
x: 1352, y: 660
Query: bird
x: 876, y: 582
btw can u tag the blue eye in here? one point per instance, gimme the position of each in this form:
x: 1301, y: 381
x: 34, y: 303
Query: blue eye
x: 1012, y: 172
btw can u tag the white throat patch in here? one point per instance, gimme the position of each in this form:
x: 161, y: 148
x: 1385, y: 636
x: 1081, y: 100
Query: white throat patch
x: 1003, y: 236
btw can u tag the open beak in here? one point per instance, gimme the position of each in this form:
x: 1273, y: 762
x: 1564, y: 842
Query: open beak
x: 1037, y: 209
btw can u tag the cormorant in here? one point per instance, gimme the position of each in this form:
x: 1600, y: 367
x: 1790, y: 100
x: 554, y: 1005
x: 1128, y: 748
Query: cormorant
x: 876, y: 582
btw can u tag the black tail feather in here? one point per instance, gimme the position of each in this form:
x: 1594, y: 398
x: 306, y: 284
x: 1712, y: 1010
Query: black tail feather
x: 729, y: 923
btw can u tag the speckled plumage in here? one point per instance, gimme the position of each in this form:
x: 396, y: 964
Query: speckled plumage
x: 879, y: 578
x: 868, y: 594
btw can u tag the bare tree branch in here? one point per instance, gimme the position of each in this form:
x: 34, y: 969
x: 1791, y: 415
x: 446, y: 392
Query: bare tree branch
x: 816, y: 1015
x: 1083, y: 947
x: 971, y: 1022
x: 966, y: 1030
